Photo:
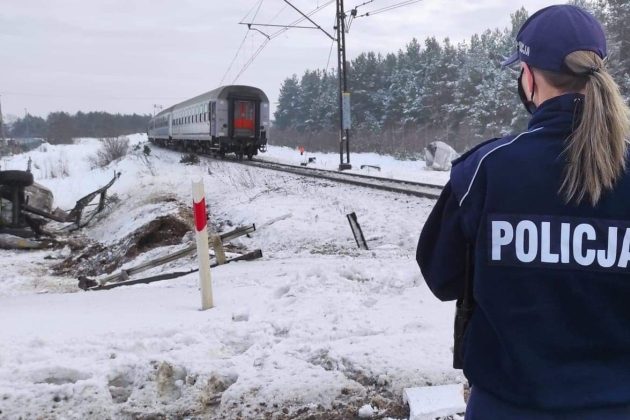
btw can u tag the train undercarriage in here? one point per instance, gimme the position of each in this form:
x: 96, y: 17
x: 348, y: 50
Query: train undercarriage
x: 217, y: 147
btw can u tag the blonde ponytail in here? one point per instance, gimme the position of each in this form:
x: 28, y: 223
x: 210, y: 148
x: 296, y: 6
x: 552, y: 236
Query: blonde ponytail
x: 596, y: 150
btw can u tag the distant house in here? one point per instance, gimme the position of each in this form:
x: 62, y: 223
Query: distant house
x: 23, y: 144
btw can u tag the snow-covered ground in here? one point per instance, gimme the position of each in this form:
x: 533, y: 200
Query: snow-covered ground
x: 315, y: 327
x: 362, y: 163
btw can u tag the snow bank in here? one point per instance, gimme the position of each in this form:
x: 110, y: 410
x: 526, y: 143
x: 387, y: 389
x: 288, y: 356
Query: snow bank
x: 390, y: 167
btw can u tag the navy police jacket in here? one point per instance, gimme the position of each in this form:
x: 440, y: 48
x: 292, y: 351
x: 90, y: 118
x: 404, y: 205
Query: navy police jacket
x: 551, y: 329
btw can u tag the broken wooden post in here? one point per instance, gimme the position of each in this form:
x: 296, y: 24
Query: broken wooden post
x: 85, y: 282
x: 201, y: 233
x: 219, y: 252
x: 378, y: 168
x: 101, y: 201
x: 92, y: 285
x: 356, y: 231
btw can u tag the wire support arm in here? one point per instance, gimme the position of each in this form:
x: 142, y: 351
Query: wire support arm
x: 310, y: 20
x: 250, y: 24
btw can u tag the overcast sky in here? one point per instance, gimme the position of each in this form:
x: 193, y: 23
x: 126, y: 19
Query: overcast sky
x: 126, y: 55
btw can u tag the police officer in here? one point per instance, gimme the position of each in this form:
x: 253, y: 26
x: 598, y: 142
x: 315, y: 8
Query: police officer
x: 546, y: 213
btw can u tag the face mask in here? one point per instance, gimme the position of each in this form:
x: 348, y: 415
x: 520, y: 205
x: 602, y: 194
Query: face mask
x: 529, y: 104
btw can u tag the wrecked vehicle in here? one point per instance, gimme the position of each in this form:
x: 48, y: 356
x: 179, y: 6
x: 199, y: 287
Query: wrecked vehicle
x: 25, y: 207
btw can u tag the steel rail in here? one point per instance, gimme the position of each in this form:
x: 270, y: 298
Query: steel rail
x: 376, y: 178
x: 413, y: 188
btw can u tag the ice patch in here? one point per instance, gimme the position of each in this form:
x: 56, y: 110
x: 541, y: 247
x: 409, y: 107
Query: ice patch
x: 58, y: 375
x: 427, y: 403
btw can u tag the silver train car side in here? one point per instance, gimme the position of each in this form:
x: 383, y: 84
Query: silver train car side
x: 230, y: 119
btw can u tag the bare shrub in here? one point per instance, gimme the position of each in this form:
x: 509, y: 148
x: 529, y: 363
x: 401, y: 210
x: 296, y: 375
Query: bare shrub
x: 189, y: 159
x: 53, y: 168
x: 143, y: 154
x: 113, y: 148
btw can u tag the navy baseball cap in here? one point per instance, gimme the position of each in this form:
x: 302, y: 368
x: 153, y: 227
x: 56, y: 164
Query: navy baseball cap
x: 552, y: 33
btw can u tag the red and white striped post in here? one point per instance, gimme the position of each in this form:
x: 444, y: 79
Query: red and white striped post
x: 203, y: 253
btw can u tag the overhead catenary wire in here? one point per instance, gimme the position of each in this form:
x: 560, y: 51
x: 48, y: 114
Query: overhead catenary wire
x: 320, y: 97
x: 250, y: 10
x: 251, y: 60
x: 302, y: 19
x: 103, y: 97
x: 388, y: 8
x: 353, y: 13
x: 282, y: 9
x: 238, y: 51
x: 278, y: 33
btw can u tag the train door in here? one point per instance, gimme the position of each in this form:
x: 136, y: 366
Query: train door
x: 244, y: 118
x: 213, y: 118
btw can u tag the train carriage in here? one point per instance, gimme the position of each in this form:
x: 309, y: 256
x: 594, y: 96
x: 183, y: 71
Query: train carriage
x: 230, y: 119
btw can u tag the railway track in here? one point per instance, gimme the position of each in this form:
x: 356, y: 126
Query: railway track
x: 417, y: 189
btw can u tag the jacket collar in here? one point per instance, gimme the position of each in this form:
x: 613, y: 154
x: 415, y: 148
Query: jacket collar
x: 558, y: 112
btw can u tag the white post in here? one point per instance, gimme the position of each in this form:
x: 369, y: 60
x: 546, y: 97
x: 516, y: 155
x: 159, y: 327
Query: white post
x: 203, y: 253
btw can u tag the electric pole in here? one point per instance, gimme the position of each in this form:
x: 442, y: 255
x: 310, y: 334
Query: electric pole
x: 28, y: 134
x: 156, y: 108
x: 344, y: 95
x: 2, y: 139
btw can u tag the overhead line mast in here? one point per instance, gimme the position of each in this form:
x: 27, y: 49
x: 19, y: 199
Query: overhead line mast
x: 1, y: 126
x: 341, y: 27
x: 344, y: 95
